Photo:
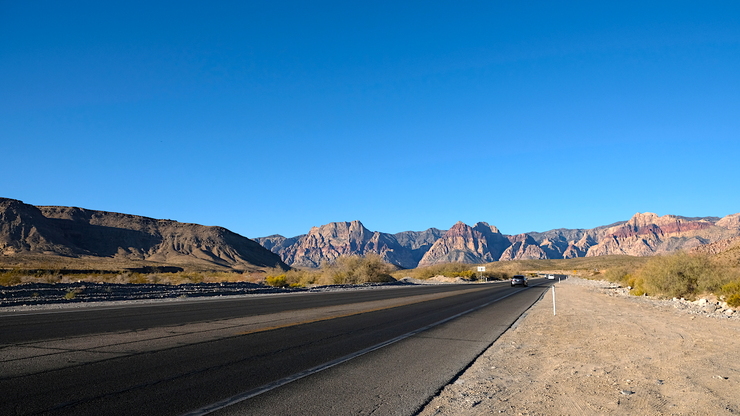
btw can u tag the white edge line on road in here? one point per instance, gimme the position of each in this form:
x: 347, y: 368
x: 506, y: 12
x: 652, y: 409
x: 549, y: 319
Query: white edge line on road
x: 297, y: 376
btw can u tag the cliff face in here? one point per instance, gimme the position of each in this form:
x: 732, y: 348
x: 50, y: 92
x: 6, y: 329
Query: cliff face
x: 23, y: 228
x: 326, y: 243
x: 649, y: 234
x: 523, y: 247
x: 643, y: 235
x: 75, y: 232
x: 481, y: 243
x: 70, y: 231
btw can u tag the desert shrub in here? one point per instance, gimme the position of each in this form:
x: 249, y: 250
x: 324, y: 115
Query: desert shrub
x: 636, y: 283
x: 72, y: 293
x: 626, y: 276
x: 496, y: 275
x: 356, y: 269
x: 132, y: 277
x: 12, y: 277
x: 731, y: 291
x: 300, y: 277
x: 192, y: 277
x: 716, y: 277
x: 466, y: 274
x: 294, y: 277
x: 678, y: 275
x: 444, y: 269
x: 618, y: 274
x: 277, y: 281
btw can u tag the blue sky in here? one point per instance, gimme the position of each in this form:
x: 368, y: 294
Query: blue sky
x: 273, y: 117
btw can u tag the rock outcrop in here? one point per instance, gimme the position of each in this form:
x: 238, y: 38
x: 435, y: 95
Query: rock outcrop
x: 643, y: 235
x: 327, y: 242
x: 648, y: 234
x: 730, y: 222
x: 24, y: 228
x: 481, y: 243
x: 523, y: 247
x: 74, y: 232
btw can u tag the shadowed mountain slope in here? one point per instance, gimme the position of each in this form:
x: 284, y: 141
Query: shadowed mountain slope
x: 75, y: 232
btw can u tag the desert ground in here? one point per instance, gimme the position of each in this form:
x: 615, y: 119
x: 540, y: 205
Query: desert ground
x: 604, y: 353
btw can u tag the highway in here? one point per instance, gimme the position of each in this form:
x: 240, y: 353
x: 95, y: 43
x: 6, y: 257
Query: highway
x: 372, y: 351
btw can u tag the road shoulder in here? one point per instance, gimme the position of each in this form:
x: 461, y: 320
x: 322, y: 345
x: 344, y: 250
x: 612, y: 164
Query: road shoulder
x: 602, y: 354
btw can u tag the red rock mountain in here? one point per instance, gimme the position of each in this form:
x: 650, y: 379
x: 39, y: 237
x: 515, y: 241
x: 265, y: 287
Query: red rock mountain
x: 77, y: 232
x: 643, y: 235
x: 326, y: 243
x: 649, y: 234
x: 523, y: 247
x: 481, y: 243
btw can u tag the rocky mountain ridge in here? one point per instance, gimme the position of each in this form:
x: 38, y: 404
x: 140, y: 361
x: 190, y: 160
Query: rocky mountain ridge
x: 644, y: 234
x: 329, y: 241
x: 77, y: 232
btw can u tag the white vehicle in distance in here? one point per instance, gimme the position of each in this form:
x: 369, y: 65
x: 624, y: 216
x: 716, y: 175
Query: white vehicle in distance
x: 551, y: 277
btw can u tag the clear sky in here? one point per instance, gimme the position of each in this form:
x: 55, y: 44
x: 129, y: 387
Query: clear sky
x: 275, y: 116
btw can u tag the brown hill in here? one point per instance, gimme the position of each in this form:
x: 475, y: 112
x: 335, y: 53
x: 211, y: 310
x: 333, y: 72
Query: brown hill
x: 77, y: 232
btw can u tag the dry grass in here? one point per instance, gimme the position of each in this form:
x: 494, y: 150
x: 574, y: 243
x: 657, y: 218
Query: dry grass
x: 19, y: 276
x: 583, y: 266
x: 35, y: 268
x: 344, y: 270
x: 679, y: 275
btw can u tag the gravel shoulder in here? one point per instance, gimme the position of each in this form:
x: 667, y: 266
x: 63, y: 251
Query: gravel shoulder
x: 604, y: 353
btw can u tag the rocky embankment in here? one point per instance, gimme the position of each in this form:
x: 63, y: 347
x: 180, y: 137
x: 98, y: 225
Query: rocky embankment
x: 707, y: 306
x: 35, y: 295
x: 85, y: 292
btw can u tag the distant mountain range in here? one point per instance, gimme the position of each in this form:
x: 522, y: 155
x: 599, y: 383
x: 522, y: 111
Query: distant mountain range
x: 80, y: 233
x: 644, y: 234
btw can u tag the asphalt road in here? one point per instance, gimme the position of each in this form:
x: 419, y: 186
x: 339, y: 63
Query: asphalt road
x: 254, y: 355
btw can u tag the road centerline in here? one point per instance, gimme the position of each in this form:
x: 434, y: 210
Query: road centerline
x: 230, y: 401
x: 416, y: 299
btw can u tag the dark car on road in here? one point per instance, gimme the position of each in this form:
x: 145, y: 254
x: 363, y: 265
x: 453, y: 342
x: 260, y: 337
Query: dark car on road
x: 519, y: 280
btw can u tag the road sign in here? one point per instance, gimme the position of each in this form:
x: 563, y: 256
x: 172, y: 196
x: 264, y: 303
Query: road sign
x: 481, y: 268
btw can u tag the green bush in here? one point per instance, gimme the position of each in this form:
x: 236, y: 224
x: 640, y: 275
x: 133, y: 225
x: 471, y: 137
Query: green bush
x: 277, y: 281
x: 731, y: 291
x: 72, y: 293
x: 618, y: 275
x: 296, y: 277
x: 734, y: 300
x: 12, y: 277
x: 445, y: 269
x: 679, y: 275
x: 356, y: 269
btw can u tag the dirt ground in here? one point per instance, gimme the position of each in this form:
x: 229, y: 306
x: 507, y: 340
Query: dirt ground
x: 602, y: 355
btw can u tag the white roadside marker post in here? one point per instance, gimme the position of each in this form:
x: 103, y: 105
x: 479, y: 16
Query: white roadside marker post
x: 553, y: 300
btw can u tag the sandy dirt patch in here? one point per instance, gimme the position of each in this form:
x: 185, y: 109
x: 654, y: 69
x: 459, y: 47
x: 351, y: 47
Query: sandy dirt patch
x: 602, y: 355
